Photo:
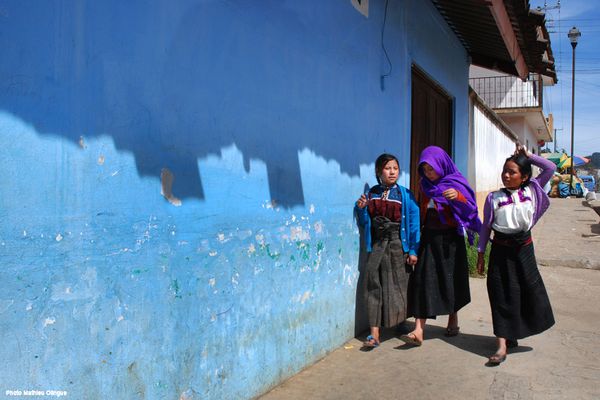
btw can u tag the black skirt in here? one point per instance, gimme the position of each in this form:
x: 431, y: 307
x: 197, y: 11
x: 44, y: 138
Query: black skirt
x: 439, y: 284
x: 518, y: 297
x: 387, y: 275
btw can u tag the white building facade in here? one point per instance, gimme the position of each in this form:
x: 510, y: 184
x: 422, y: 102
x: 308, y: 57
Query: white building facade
x: 505, y: 110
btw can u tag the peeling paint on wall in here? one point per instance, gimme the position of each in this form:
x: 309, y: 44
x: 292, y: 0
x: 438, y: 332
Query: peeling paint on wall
x: 189, y: 394
x: 362, y: 6
x: 166, y: 181
x: 318, y: 227
x: 303, y: 297
x: 297, y: 233
x: 350, y: 276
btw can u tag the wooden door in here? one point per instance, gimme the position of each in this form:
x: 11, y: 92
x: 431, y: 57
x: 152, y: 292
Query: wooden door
x: 431, y: 122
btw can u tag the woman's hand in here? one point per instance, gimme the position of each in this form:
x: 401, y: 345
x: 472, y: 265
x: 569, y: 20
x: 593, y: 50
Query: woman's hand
x: 521, y: 150
x: 411, y: 260
x: 480, y: 263
x: 362, y: 201
x: 450, y: 194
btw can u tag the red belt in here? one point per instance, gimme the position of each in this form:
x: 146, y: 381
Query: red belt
x: 511, y: 242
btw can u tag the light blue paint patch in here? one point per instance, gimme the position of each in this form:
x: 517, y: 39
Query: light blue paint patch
x: 85, y: 288
x: 249, y: 192
x: 5, y: 305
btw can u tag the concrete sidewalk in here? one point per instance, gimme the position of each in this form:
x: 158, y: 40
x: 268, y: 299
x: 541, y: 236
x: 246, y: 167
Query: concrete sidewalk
x: 568, y: 235
x: 562, y: 363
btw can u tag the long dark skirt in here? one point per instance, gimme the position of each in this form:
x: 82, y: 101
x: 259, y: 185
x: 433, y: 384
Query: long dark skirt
x: 387, y: 278
x: 518, y: 298
x: 439, y: 284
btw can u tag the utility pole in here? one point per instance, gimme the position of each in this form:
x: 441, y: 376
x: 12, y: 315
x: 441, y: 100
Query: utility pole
x: 573, y: 35
x: 555, y: 140
x: 550, y: 22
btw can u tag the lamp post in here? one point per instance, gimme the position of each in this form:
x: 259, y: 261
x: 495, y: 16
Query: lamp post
x: 573, y: 35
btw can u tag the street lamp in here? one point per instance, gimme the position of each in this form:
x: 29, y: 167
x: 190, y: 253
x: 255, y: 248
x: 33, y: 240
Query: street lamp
x: 573, y: 35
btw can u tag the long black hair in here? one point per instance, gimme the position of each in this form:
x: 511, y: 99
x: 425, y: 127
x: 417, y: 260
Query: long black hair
x: 524, y: 164
x: 380, y: 163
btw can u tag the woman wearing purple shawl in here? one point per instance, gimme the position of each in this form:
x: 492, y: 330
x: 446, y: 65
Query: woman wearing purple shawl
x: 518, y: 297
x: 439, y: 284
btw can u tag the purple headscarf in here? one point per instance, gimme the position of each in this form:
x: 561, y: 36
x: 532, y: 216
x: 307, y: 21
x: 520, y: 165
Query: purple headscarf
x: 465, y: 214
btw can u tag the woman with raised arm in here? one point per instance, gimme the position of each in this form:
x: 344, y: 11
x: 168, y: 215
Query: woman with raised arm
x: 518, y: 298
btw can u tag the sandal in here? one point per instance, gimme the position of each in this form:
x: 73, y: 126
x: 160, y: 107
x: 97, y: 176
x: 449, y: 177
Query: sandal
x: 371, y: 342
x: 496, y: 359
x: 411, y: 339
x: 511, y: 344
x: 452, y: 331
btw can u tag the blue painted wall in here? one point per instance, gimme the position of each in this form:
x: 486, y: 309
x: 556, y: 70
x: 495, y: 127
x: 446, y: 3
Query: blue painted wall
x: 268, y: 115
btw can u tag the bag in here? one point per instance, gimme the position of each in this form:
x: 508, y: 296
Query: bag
x: 563, y: 190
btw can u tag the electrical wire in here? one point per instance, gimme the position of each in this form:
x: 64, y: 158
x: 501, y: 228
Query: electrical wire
x: 388, y: 73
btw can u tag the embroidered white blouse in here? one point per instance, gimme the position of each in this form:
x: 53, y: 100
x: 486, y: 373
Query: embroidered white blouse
x: 534, y: 191
x: 513, y: 210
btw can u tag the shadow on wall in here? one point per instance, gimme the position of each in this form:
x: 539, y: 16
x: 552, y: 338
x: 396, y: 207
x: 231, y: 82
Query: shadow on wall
x: 175, y: 82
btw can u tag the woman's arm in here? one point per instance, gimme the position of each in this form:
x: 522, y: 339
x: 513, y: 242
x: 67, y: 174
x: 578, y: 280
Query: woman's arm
x: 484, y: 234
x: 454, y: 194
x: 486, y: 227
x: 547, y: 167
x: 414, y: 219
x: 362, y: 215
x: 364, y: 221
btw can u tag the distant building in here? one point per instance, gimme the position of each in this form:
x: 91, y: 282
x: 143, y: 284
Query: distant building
x: 507, y: 108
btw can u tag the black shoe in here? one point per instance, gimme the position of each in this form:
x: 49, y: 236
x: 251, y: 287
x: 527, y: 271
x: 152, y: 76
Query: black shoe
x: 496, y: 359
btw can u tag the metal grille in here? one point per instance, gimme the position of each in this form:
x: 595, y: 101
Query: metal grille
x: 502, y: 92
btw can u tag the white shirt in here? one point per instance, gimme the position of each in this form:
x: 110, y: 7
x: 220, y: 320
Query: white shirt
x: 513, y: 210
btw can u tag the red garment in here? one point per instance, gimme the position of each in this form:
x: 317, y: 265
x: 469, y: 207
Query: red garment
x: 430, y: 217
x: 389, y: 208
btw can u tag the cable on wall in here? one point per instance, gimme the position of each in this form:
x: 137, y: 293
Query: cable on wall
x: 388, y: 73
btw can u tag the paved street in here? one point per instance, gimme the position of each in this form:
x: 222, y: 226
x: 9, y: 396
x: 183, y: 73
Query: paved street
x: 562, y: 363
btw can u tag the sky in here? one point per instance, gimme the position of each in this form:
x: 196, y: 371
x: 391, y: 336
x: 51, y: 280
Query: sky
x: 562, y: 15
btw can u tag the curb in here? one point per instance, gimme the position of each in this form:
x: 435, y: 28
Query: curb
x: 570, y: 263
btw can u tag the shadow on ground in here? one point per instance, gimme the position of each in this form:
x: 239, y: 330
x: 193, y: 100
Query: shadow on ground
x: 480, y: 345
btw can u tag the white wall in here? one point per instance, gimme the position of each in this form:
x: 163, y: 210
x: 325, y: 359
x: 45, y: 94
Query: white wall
x: 491, y: 148
x: 525, y: 132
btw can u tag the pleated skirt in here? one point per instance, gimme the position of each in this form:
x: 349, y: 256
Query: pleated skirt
x: 439, y: 285
x: 387, y: 283
x: 518, y: 298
